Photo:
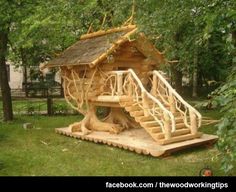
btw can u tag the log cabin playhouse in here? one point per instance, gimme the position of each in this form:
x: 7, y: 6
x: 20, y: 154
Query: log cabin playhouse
x: 116, y: 68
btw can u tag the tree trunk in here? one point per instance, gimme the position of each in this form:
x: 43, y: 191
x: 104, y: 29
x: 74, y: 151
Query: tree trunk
x: 25, y: 75
x: 5, y: 88
x: 195, y: 75
x: 50, y: 106
x: 177, y: 79
x: 194, y: 93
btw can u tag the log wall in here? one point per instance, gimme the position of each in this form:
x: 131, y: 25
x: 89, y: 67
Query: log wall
x: 125, y: 57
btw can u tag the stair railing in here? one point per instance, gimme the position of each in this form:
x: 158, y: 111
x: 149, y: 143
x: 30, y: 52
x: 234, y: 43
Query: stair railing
x: 127, y: 83
x: 163, y: 90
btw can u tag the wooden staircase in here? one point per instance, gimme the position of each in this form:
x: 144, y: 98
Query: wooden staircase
x: 152, y: 126
x: 163, y: 113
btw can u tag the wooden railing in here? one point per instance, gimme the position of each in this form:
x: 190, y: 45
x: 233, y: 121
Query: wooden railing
x: 163, y: 90
x: 127, y: 83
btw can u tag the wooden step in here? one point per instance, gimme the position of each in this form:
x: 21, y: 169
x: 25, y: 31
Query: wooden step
x: 179, y: 120
x: 153, y: 130
x: 133, y: 108
x: 177, y: 114
x: 180, y: 125
x: 150, y: 103
x: 174, y: 134
x: 149, y: 124
x: 179, y: 138
x: 144, y: 118
x: 137, y: 113
x: 127, y: 103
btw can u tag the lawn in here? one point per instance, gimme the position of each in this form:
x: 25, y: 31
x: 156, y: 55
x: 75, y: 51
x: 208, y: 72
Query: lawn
x: 40, y: 151
x: 31, y: 106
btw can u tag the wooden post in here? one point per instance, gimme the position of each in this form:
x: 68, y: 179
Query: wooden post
x: 49, y: 106
x: 193, y: 122
x: 154, y: 86
x: 119, y: 83
x: 172, y: 103
x: 130, y: 90
x: 167, y: 126
x: 145, y: 104
x: 162, y: 88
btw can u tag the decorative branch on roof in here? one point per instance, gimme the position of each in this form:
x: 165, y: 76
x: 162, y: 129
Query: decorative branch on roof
x: 104, y: 32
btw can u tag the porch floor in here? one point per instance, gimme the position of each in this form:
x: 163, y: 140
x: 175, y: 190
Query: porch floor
x: 139, y: 141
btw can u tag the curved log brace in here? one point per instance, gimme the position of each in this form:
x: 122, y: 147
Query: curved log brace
x: 92, y: 123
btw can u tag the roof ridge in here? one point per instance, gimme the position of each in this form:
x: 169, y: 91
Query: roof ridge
x: 104, y: 32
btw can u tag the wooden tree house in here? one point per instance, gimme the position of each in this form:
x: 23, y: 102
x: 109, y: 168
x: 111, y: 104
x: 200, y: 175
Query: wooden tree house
x: 116, y: 68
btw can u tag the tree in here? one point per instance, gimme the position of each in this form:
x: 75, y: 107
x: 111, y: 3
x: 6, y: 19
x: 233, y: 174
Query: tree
x: 225, y: 97
x: 12, y: 14
x: 36, y: 31
x: 191, y: 32
x: 5, y: 88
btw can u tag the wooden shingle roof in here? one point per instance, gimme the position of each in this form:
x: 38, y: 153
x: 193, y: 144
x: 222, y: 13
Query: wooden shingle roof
x: 92, y: 48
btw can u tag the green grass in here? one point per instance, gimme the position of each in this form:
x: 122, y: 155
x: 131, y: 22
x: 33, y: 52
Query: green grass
x: 38, y: 106
x: 40, y: 151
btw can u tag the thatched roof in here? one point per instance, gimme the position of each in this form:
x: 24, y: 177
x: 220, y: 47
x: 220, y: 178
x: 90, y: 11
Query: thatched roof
x: 94, y: 47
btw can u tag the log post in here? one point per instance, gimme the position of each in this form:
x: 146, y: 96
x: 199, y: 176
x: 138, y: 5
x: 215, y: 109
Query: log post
x: 167, y: 126
x: 49, y: 106
x: 145, y: 104
x: 162, y: 88
x: 130, y: 90
x: 154, y: 86
x: 172, y: 103
x: 120, y: 83
x: 193, y: 122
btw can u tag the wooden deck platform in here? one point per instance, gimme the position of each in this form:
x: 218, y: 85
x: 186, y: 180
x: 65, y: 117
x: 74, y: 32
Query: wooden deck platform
x: 139, y: 141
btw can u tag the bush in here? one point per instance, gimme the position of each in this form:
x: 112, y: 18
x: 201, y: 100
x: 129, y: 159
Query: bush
x: 225, y: 97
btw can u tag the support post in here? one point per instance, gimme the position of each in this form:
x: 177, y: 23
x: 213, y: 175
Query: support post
x: 193, y: 122
x: 167, y: 126
x: 49, y: 106
x: 145, y: 104
x: 162, y: 88
x: 120, y: 84
x: 154, y: 86
x: 172, y: 103
x: 130, y: 90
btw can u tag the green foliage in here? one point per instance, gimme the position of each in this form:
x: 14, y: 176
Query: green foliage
x: 226, y: 99
x: 60, y: 109
x: 40, y: 30
x: 190, y: 27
